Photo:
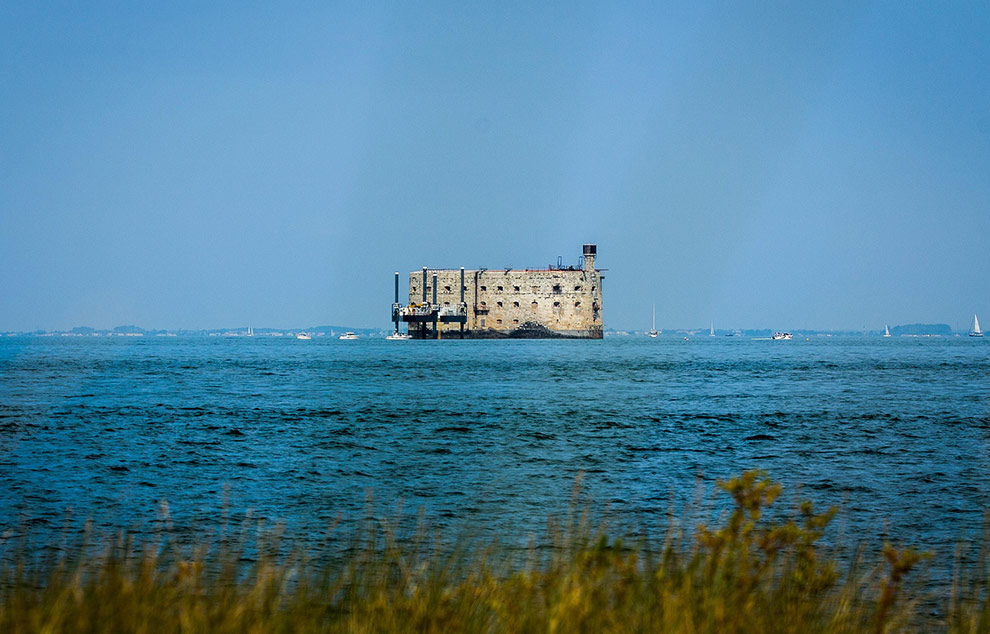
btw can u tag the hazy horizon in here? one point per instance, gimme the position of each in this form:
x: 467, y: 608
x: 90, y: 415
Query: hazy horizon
x: 357, y: 327
x: 786, y: 167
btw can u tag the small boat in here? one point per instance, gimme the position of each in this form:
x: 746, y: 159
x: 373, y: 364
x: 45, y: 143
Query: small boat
x: 398, y: 336
x: 785, y: 336
x: 653, y: 331
x: 347, y: 336
x: 886, y: 331
x: 975, y: 330
x: 711, y: 333
x: 304, y: 336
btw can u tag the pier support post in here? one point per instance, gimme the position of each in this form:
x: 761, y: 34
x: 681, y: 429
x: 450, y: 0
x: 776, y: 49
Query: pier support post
x: 422, y: 326
x: 395, y: 309
x: 433, y: 307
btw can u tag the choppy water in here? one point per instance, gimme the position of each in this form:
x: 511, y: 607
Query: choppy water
x: 490, y: 433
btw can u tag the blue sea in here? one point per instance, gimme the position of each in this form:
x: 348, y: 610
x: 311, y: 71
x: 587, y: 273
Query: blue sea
x: 490, y: 435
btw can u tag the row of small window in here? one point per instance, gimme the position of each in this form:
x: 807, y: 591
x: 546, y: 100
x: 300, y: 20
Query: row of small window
x: 499, y: 322
x: 515, y: 289
x: 535, y: 289
x: 534, y: 305
x: 446, y: 289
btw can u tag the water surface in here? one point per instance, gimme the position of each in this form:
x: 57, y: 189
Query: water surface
x: 490, y: 433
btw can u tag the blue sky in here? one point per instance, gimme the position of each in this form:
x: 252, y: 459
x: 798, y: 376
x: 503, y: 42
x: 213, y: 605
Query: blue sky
x: 777, y: 165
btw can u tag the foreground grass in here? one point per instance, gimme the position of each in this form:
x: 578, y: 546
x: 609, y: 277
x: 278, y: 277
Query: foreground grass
x: 753, y: 573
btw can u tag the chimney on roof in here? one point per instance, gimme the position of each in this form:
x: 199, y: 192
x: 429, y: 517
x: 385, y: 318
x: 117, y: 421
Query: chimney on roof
x: 590, y: 251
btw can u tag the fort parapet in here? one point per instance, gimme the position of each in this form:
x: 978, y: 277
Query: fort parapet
x: 557, y: 301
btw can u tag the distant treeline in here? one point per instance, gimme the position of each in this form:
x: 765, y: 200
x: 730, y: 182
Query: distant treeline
x: 905, y: 330
x: 85, y: 331
x: 921, y: 329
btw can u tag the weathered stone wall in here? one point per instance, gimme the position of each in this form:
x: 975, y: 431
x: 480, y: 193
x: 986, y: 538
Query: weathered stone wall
x: 519, y: 302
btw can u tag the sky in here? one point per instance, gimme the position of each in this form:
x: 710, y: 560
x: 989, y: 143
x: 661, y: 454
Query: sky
x: 756, y: 165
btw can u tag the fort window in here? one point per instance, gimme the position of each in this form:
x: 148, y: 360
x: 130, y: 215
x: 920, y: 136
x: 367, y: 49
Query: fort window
x: 414, y: 289
x: 515, y: 321
x: 499, y: 288
x: 499, y: 304
x: 515, y: 304
x: 484, y: 288
x: 556, y: 288
x: 577, y: 288
x: 556, y: 304
x: 534, y: 306
x: 464, y: 288
x: 515, y: 288
x: 446, y: 289
x: 498, y: 321
x: 577, y: 304
x: 446, y: 303
x: 484, y: 304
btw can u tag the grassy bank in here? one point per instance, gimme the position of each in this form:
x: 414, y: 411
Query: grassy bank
x: 754, y: 572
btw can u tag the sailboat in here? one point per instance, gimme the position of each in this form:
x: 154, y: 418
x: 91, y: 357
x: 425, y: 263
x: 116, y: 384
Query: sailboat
x: 886, y: 331
x: 711, y: 333
x: 653, y: 331
x: 975, y: 330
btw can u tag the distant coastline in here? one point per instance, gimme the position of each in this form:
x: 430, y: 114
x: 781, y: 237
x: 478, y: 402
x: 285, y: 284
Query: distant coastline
x: 245, y: 331
x: 907, y: 330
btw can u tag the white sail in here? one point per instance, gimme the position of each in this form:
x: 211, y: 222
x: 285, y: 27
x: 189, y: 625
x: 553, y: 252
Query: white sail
x: 975, y: 330
x: 886, y: 331
x: 711, y: 333
x: 653, y: 329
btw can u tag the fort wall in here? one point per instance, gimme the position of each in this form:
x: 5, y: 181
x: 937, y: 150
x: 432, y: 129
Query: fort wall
x: 555, y: 302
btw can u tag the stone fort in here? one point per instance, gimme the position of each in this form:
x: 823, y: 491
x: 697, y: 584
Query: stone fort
x: 558, y: 301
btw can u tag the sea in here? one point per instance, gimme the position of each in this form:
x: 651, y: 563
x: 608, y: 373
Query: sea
x: 491, y: 438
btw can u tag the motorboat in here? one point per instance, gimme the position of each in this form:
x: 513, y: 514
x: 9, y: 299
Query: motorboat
x: 347, y: 336
x: 782, y: 336
x: 399, y: 336
x: 304, y: 336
